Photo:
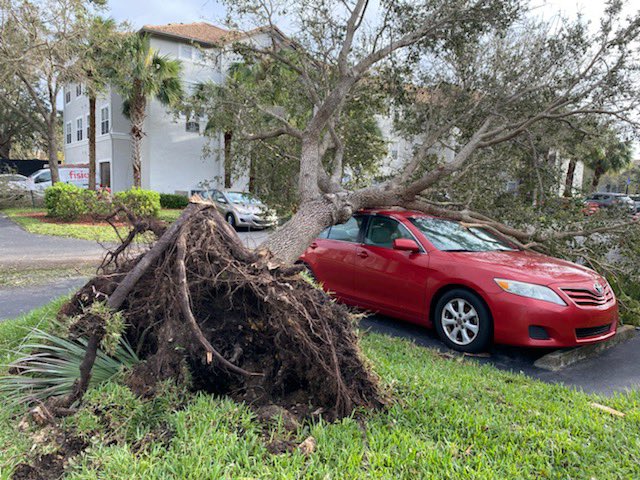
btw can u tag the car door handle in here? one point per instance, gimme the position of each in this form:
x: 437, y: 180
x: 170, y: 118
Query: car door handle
x: 362, y: 254
x: 313, y: 245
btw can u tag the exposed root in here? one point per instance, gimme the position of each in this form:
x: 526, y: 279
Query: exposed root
x: 200, y: 306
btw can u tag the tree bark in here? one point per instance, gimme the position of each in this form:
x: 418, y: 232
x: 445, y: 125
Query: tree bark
x: 92, y: 142
x: 52, y: 147
x: 228, y: 135
x: 137, y: 114
x: 597, y: 174
x: 5, y: 146
x: 568, y: 182
x: 288, y: 242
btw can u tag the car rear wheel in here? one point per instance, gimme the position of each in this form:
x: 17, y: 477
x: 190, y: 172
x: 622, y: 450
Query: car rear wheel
x: 463, y: 321
x: 231, y: 219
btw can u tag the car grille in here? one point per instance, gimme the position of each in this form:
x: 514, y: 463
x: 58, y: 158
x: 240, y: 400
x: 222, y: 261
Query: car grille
x: 589, y: 298
x: 592, y: 331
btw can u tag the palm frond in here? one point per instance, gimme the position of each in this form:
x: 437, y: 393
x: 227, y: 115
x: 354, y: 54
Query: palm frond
x: 48, y: 365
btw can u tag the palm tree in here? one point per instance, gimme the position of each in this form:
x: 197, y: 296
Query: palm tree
x: 140, y: 75
x: 611, y: 155
x: 102, y: 39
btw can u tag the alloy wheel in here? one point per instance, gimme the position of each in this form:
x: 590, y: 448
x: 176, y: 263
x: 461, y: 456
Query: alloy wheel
x: 460, y: 321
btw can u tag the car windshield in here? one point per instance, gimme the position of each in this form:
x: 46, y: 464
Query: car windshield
x: 239, y: 197
x: 450, y: 236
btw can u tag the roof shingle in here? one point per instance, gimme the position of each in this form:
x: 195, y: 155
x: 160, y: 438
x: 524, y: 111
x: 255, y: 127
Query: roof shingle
x: 202, y: 32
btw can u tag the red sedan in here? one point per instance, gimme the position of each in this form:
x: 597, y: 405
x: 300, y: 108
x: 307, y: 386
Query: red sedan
x: 472, y: 286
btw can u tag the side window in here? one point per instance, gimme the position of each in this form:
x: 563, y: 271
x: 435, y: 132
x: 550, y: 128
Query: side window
x: 218, y: 197
x: 383, y: 231
x: 43, y: 177
x: 324, y: 233
x: 346, y: 232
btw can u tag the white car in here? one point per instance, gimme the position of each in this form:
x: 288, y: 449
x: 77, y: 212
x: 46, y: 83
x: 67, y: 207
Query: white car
x: 14, y: 180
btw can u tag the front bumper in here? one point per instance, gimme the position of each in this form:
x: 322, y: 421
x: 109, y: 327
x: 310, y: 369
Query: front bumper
x: 255, y: 221
x: 565, y: 326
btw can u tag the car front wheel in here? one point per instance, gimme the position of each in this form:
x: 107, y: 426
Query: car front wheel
x: 231, y: 219
x: 463, y: 321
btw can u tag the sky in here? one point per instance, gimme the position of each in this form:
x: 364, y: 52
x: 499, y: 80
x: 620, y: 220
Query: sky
x: 157, y: 12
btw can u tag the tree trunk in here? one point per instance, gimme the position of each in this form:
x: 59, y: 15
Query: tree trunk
x: 52, y: 147
x: 92, y: 142
x: 5, y: 146
x: 597, y: 174
x: 228, y: 135
x: 568, y: 183
x: 288, y: 242
x: 137, y: 114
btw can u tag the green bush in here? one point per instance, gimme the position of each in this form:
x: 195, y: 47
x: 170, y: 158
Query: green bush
x: 68, y: 202
x: 173, y: 200
x: 142, y: 203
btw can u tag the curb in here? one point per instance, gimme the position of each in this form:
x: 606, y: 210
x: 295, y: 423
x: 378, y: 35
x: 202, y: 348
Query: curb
x: 559, y: 359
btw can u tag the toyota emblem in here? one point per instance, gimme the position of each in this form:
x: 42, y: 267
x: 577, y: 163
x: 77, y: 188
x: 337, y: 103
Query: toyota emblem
x: 599, y: 288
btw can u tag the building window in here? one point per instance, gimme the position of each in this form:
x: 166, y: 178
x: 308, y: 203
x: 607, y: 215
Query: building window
x: 79, y: 129
x: 78, y: 90
x: 67, y: 96
x: 193, y: 125
x: 68, y: 132
x: 104, y: 120
x: 192, y: 53
x: 186, y: 52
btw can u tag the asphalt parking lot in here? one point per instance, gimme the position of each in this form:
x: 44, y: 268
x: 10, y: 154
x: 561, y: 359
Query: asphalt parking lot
x: 614, y: 370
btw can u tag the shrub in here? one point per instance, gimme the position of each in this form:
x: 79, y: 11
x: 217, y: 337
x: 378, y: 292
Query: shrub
x: 142, y: 203
x: 67, y: 201
x: 173, y: 200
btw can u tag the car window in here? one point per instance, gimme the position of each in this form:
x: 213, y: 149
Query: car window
x: 382, y: 231
x: 324, y: 233
x: 218, y: 197
x: 448, y: 236
x: 346, y: 232
x: 43, y: 177
x: 239, y: 197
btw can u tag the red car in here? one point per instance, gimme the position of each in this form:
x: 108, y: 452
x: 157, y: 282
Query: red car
x: 472, y: 286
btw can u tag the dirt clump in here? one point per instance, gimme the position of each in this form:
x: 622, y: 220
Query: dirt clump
x: 201, y: 308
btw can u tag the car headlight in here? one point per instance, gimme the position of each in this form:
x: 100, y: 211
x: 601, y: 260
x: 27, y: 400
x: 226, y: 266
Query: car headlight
x: 530, y: 290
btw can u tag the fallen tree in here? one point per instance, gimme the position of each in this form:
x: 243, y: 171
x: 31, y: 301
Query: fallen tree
x: 201, y: 308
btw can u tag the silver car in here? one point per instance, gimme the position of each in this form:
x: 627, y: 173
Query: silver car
x: 242, y: 209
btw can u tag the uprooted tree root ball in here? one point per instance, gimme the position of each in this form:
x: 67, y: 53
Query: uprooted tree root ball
x: 200, y: 307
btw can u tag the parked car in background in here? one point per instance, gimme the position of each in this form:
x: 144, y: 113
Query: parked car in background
x: 13, y: 180
x: 609, y: 200
x: 636, y: 201
x: 242, y: 209
x: 472, y: 286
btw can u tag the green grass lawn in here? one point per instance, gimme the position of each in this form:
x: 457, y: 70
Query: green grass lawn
x: 450, y: 419
x: 100, y: 233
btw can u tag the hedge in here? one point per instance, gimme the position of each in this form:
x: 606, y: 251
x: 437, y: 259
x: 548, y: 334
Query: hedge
x: 173, y: 200
x: 142, y: 203
x: 69, y: 202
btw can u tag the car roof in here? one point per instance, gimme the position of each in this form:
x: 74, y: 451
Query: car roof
x: 398, y: 212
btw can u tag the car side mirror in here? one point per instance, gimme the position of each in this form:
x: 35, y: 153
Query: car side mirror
x: 406, y: 245
x: 222, y: 200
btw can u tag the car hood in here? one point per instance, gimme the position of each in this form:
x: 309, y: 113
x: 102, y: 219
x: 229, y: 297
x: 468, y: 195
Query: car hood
x: 529, y: 267
x: 254, y: 208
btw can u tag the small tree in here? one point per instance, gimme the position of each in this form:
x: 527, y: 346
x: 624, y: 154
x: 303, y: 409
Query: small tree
x: 140, y: 74
x: 102, y: 40
x: 41, y: 43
